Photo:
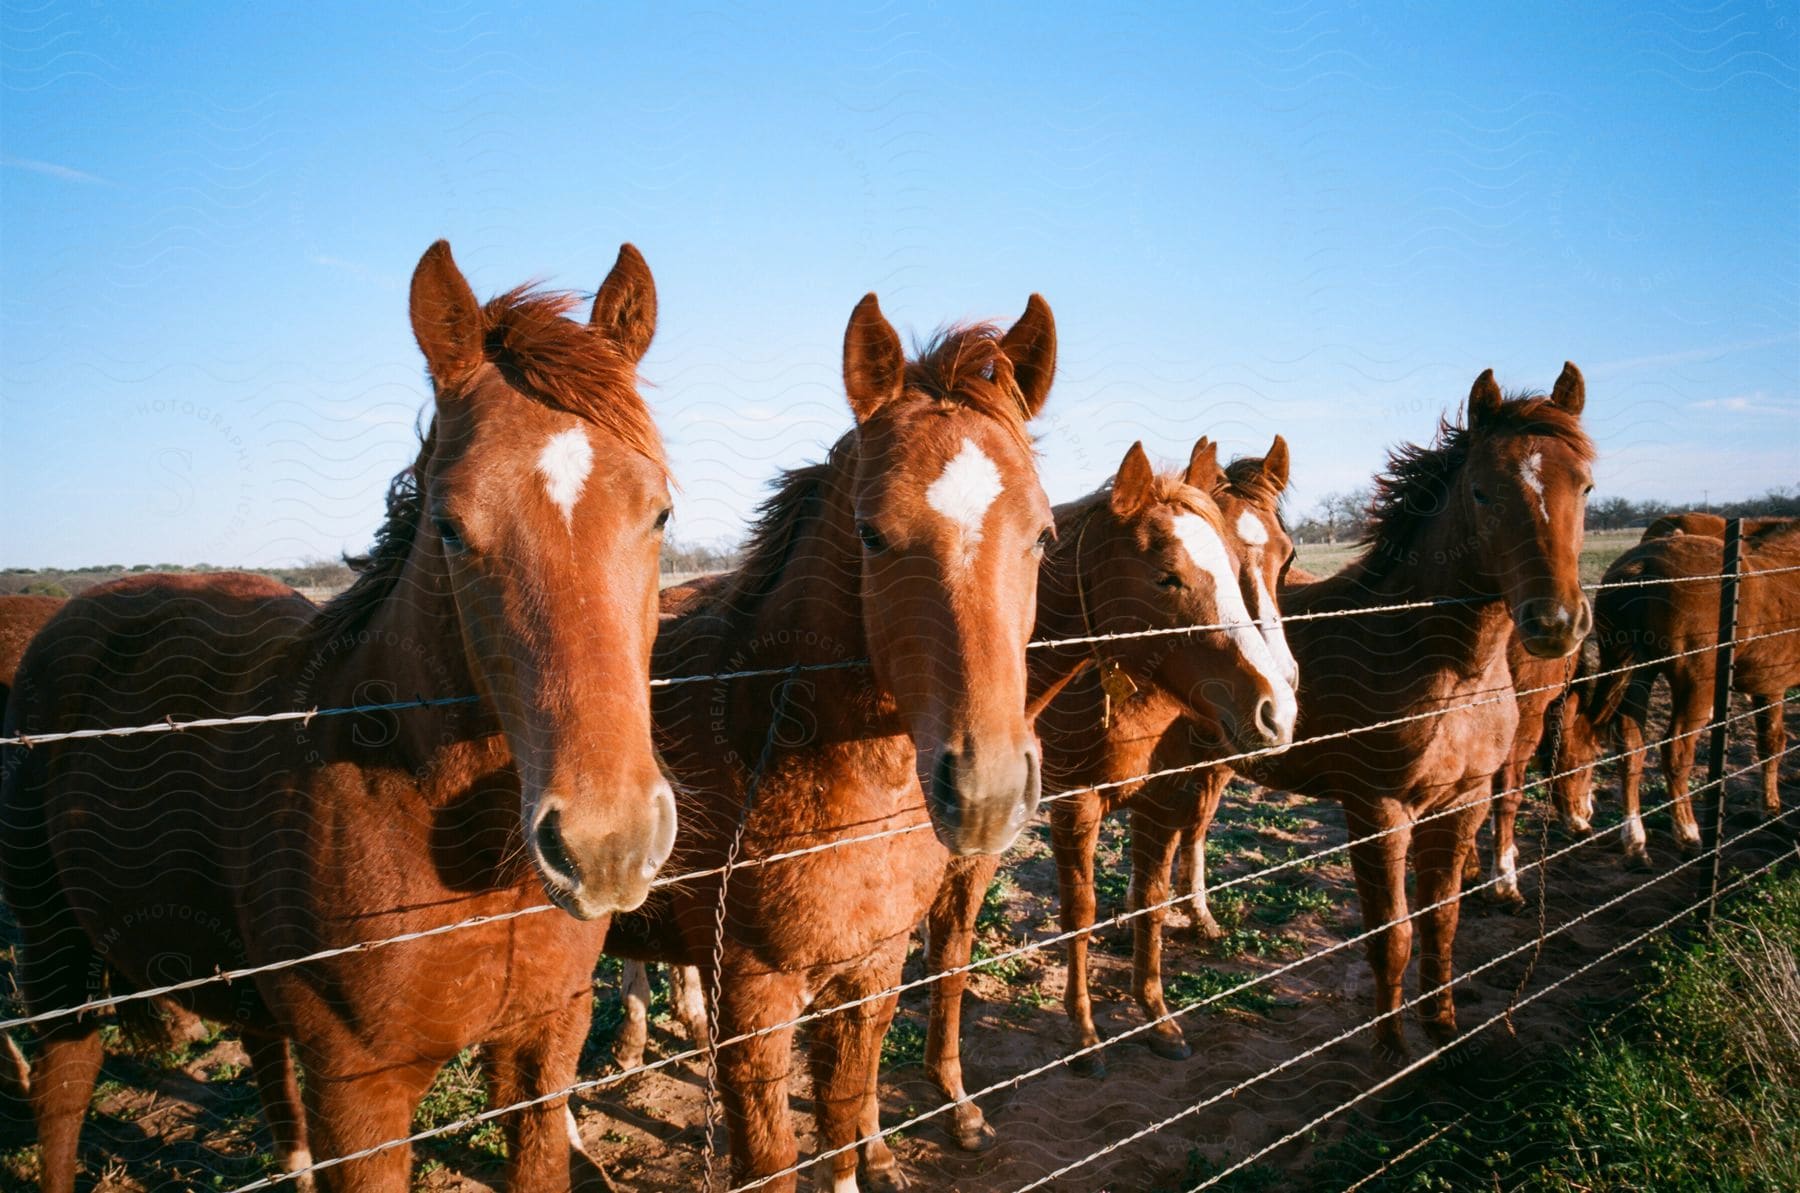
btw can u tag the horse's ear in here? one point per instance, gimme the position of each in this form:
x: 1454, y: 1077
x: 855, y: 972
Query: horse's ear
x: 1135, y: 485
x: 1484, y: 398
x: 1275, y: 465
x: 1203, y: 472
x: 874, y: 364
x: 625, y: 304
x: 1571, y: 391
x: 446, y: 318
x: 1031, y: 346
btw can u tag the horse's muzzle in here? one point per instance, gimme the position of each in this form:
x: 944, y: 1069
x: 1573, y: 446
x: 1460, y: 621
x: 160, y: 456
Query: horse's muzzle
x: 592, y: 874
x: 980, y: 805
x: 1550, y: 629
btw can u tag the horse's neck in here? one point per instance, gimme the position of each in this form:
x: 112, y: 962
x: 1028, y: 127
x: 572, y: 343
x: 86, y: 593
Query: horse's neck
x: 410, y: 647
x: 1059, y: 617
x: 1461, y: 636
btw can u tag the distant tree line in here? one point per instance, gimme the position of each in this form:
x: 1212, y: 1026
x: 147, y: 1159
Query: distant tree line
x: 1343, y: 517
x: 318, y: 578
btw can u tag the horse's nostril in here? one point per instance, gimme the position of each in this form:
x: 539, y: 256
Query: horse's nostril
x: 1265, y: 719
x: 552, y: 853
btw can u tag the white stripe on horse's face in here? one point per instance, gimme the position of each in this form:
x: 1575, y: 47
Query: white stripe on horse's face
x: 564, y: 463
x: 1204, y: 546
x: 964, y: 492
x: 1530, y: 471
x: 1250, y: 528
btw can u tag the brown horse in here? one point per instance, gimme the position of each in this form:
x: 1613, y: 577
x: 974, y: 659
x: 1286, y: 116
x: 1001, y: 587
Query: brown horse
x: 914, y: 545
x: 1487, y: 525
x: 1639, y: 626
x: 21, y: 617
x: 1144, y: 553
x: 527, y: 529
x: 1710, y: 525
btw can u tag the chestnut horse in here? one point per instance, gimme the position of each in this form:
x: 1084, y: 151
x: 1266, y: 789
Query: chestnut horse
x: 1146, y: 552
x: 1488, y: 524
x: 527, y: 529
x: 21, y: 617
x: 915, y: 545
x: 1640, y: 626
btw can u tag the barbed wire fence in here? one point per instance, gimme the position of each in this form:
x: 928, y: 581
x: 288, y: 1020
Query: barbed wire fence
x: 1718, y: 727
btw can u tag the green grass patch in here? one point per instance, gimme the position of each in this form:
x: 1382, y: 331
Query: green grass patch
x: 1193, y: 985
x: 1697, y: 1087
x: 904, y: 1043
x: 459, y: 1092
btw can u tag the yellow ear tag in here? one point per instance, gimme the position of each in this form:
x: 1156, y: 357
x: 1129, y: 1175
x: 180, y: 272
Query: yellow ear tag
x: 1115, y: 685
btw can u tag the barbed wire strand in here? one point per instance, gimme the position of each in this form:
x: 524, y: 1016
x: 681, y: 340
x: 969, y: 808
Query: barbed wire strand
x: 691, y: 1053
x: 1208, y: 1000
x: 170, y: 725
x: 1424, y: 996
x: 98, y: 1004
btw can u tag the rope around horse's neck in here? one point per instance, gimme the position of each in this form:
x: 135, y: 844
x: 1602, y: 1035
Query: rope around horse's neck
x: 715, y: 986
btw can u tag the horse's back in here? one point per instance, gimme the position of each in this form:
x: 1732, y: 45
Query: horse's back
x: 21, y: 617
x: 128, y: 833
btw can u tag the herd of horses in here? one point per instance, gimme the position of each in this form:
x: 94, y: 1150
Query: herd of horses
x: 832, y: 743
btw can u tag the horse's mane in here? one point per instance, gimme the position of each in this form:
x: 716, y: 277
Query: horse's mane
x: 964, y: 365
x: 1245, y: 476
x: 1415, y: 488
x: 548, y: 357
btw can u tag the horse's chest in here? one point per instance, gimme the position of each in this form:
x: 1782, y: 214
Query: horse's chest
x: 872, y: 868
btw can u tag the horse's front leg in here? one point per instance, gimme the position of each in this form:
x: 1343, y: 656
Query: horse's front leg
x: 634, y: 1028
x: 950, y: 941
x: 348, y: 1115
x: 753, y: 1072
x: 278, y: 1088
x: 1443, y: 843
x: 845, y: 1055
x: 1154, y: 834
x: 1190, y: 856
x: 537, y: 1060
x: 1380, y: 869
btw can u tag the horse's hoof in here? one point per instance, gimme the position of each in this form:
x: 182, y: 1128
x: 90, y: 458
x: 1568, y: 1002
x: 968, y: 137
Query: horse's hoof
x: 977, y: 1137
x: 1507, y: 899
x: 1638, y: 859
x: 627, y: 1060
x: 1169, y: 1047
x: 886, y: 1180
x: 1207, y: 928
x: 1090, y: 1065
x: 1687, y: 847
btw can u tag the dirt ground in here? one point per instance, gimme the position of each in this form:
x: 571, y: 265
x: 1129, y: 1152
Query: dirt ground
x: 190, y: 1121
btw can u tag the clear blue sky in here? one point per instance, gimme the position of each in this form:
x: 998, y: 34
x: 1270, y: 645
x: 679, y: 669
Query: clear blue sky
x: 1317, y: 220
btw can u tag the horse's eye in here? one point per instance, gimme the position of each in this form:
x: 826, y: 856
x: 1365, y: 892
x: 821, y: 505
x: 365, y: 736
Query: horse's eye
x: 1588, y: 489
x: 1046, y: 538
x: 662, y: 519
x: 871, y: 538
x: 1171, y: 581
x: 1480, y: 497
x: 451, y: 536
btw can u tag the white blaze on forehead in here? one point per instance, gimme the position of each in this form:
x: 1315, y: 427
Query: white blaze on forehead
x: 1530, y: 471
x: 564, y: 464
x: 965, y: 490
x: 1204, y: 546
x: 1254, y: 532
